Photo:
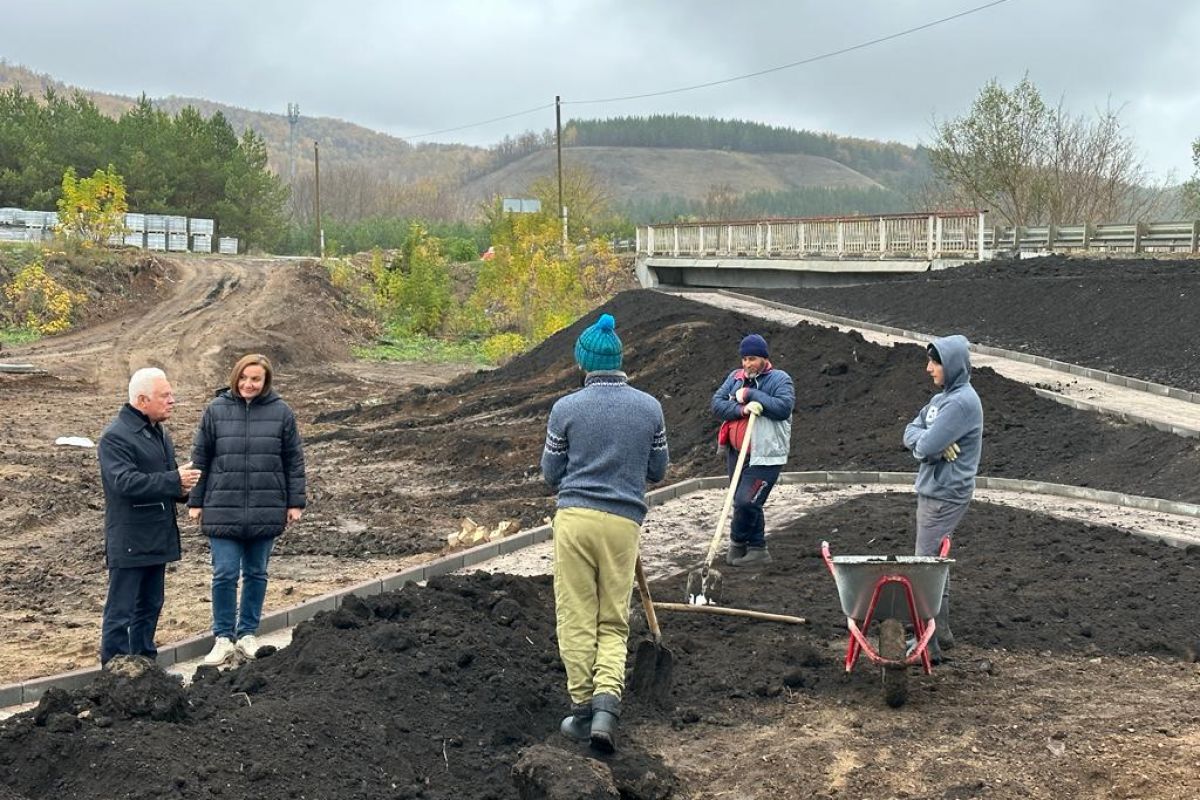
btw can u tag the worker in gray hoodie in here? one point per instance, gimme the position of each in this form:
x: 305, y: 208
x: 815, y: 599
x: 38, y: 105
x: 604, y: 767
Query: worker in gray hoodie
x: 946, y: 437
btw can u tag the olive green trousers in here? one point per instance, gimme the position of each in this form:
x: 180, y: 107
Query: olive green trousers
x: 594, y: 557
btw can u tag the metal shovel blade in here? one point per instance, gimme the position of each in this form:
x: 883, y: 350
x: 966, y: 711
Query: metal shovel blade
x: 653, y: 666
x: 652, y: 663
x: 704, y: 587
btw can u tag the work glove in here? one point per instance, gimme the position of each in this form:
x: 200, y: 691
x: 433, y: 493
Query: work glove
x: 951, y: 452
x: 753, y: 407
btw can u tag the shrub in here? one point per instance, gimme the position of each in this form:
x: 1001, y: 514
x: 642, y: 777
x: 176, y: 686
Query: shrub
x: 38, y: 302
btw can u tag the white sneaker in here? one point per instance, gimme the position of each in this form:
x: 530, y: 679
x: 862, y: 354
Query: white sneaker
x: 221, y: 653
x: 247, y: 646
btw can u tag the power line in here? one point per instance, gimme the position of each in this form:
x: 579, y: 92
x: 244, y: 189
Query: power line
x: 801, y: 62
x: 481, y: 122
x: 748, y: 75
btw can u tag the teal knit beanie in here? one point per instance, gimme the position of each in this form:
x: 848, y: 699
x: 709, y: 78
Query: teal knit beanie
x: 599, y: 347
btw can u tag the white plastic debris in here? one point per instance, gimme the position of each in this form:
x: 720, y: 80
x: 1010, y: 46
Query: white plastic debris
x: 75, y: 441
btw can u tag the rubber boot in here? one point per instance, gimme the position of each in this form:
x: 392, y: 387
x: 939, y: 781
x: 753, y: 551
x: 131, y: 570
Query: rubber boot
x: 944, y: 636
x: 578, y: 725
x: 606, y: 710
x: 736, y: 550
x: 755, y: 556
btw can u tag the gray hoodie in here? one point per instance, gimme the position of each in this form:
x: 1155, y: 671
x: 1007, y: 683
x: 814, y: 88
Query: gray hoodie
x: 954, y: 415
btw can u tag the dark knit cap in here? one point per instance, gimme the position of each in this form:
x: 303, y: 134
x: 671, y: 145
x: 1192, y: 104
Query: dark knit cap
x: 754, y: 345
x: 599, y: 347
x: 934, y: 355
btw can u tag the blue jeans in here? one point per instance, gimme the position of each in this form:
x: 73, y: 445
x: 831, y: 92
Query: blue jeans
x: 754, y: 486
x: 231, y: 557
x: 135, y: 599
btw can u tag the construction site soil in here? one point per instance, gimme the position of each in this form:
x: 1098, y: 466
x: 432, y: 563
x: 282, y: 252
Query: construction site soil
x: 1134, y: 317
x: 1072, y: 678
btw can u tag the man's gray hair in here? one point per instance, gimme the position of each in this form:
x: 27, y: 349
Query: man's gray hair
x: 141, y: 381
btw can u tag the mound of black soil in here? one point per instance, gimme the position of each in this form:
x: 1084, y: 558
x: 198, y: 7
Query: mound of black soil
x: 1132, y: 317
x: 437, y: 692
x: 480, y: 438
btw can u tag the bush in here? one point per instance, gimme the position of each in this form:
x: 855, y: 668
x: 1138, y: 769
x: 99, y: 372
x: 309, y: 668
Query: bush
x: 38, y: 302
x: 503, y: 346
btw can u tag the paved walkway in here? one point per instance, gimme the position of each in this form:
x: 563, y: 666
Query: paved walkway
x: 1073, y: 390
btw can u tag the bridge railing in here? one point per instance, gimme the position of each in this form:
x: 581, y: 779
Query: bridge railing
x: 928, y: 235
x: 958, y: 234
x: 1134, y: 237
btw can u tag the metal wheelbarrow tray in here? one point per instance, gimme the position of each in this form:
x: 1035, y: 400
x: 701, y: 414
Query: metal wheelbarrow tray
x: 895, y: 590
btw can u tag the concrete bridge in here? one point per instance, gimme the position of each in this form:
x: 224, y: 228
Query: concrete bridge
x: 818, y: 251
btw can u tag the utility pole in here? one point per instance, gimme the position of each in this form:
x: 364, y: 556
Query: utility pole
x: 293, y: 118
x: 320, y: 230
x: 562, y: 210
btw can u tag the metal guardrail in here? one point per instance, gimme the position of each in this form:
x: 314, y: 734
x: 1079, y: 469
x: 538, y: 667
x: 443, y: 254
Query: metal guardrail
x: 927, y: 235
x: 1135, y: 237
x: 959, y: 234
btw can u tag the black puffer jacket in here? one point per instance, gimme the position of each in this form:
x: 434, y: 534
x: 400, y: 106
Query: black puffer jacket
x: 252, y: 466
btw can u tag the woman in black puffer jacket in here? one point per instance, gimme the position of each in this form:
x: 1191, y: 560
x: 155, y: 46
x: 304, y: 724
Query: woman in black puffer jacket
x: 251, y: 488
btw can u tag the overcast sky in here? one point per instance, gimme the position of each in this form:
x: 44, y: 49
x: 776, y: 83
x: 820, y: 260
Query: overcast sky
x: 409, y: 68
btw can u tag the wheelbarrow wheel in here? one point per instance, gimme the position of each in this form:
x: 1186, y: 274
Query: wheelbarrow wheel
x: 892, y: 646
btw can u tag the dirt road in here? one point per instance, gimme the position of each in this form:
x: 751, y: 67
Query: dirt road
x: 208, y: 312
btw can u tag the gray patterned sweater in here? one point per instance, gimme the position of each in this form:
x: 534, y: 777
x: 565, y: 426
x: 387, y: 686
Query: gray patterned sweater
x: 603, y: 444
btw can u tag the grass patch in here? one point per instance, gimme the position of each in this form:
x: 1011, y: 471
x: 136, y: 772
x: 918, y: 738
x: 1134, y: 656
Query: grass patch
x: 18, y: 335
x: 424, y: 349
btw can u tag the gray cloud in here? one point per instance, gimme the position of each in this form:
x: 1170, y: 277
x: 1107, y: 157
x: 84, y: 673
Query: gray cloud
x: 412, y: 67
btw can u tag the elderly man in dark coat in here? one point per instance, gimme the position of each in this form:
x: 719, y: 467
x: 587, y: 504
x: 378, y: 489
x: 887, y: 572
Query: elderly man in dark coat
x: 142, y: 484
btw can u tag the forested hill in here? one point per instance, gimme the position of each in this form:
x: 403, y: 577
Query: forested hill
x: 341, y: 142
x: 654, y: 167
x: 892, y: 164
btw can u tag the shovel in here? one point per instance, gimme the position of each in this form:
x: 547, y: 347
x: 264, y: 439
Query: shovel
x: 652, y: 663
x: 704, y: 585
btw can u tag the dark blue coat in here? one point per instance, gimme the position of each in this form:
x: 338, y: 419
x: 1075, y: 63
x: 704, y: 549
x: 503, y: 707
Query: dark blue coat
x: 141, y: 488
x: 252, y: 466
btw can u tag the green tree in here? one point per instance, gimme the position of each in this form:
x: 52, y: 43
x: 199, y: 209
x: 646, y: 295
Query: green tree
x: 415, y: 291
x: 252, y: 208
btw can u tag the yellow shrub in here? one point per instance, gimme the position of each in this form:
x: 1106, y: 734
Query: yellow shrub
x: 39, y: 302
x: 503, y: 346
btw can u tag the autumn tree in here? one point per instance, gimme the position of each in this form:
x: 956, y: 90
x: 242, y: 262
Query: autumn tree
x: 588, y: 201
x: 92, y: 209
x: 1031, y: 163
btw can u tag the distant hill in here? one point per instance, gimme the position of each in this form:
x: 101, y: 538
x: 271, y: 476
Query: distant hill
x: 675, y: 161
x: 689, y: 174
x: 342, y: 143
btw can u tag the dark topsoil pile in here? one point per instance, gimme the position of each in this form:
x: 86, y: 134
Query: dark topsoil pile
x: 438, y: 692
x: 478, y: 440
x: 1132, y: 317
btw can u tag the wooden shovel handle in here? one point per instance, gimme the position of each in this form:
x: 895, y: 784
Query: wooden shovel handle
x: 733, y: 482
x: 647, y: 602
x: 732, y: 612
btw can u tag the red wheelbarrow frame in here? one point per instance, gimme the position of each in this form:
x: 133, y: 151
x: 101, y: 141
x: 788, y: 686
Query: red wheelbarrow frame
x: 924, y: 629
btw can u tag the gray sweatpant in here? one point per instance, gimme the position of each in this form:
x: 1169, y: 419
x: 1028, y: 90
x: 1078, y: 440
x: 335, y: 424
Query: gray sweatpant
x: 936, y: 520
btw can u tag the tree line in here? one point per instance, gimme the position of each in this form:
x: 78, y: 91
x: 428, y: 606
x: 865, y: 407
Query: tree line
x: 182, y: 164
x: 889, y: 162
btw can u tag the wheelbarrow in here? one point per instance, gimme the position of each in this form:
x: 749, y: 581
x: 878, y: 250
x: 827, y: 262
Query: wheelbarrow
x: 896, y: 590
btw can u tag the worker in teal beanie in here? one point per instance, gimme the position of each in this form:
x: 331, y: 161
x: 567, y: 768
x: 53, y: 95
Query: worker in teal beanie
x: 601, y: 481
